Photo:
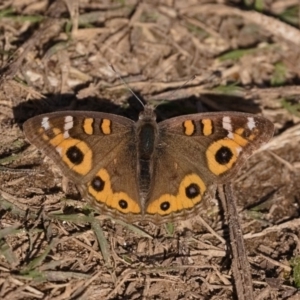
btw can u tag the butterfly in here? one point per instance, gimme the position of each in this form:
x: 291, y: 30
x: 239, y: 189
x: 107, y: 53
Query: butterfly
x: 144, y: 170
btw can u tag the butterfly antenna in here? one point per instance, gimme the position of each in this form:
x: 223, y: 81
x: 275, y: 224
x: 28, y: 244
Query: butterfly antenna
x: 128, y: 87
x: 193, y: 77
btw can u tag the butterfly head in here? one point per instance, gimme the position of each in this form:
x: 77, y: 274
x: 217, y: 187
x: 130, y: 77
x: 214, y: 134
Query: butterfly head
x: 147, y: 114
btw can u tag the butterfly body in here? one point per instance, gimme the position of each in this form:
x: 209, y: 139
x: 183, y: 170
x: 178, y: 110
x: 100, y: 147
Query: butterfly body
x: 146, y: 170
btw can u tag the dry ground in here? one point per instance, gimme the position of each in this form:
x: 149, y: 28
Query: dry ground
x: 55, y: 55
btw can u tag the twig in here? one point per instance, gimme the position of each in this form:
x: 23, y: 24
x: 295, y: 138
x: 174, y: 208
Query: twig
x: 240, y: 264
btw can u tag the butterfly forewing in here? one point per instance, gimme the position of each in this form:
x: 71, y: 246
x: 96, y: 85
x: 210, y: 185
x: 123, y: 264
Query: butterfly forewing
x: 217, y: 143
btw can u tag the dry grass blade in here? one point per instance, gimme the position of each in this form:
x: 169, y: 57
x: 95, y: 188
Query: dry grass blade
x: 102, y: 241
x: 16, y: 171
x: 33, y: 264
x: 8, y: 253
x: 134, y: 229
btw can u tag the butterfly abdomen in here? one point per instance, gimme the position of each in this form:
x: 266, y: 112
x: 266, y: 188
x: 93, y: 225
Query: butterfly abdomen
x: 146, y: 136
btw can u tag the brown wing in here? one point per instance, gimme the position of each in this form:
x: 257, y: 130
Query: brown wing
x: 196, y: 151
x: 97, y: 152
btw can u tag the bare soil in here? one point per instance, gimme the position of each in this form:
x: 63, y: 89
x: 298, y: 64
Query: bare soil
x: 199, y: 56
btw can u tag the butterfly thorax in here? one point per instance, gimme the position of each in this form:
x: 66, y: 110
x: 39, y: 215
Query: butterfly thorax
x: 146, y: 136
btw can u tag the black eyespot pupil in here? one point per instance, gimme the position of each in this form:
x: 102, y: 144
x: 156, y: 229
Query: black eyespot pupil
x: 223, y: 155
x: 165, y: 206
x: 123, y: 204
x: 75, y: 155
x: 192, y: 191
x: 98, y: 184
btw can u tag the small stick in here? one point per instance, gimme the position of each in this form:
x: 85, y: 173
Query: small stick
x: 240, y: 264
x: 10, y: 170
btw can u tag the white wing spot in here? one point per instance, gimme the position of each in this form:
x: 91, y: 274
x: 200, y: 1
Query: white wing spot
x: 59, y: 150
x: 251, y: 123
x: 230, y: 135
x: 66, y: 134
x: 239, y: 150
x: 68, y: 123
x: 45, y: 123
x: 226, y: 122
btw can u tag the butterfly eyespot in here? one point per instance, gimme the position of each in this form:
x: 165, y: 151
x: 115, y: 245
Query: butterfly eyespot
x: 75, y: 155
x: 97, y: 184
x: 123, y: 204
x: 192, y: 191
x: 165, y: 206
x: 223, y: 155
